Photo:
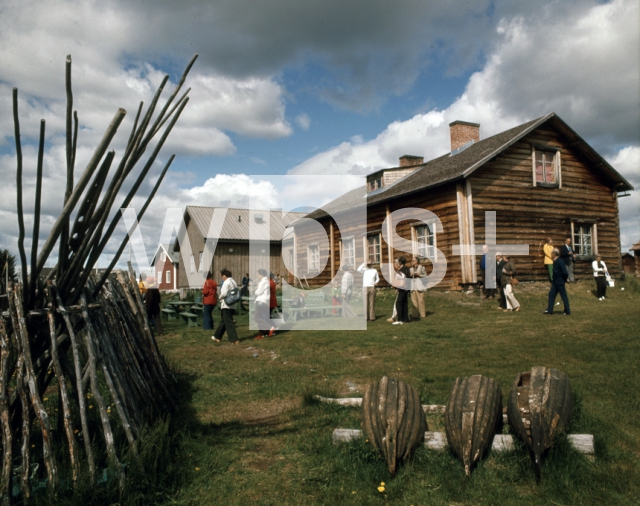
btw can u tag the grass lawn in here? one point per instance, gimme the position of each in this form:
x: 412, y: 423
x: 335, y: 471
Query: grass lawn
x: 250, y: 433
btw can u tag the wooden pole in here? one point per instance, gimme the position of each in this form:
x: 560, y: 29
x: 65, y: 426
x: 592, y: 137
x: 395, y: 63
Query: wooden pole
x: 79, y: 189
x: 36, y: 212
x: 19, y: 210
x: 7, y: 437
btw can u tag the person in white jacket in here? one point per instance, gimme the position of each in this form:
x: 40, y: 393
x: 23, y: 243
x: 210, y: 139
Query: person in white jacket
x: 601, y: 273
x: 226, y: 324
x: 263, y: 297
x: 370, y: 279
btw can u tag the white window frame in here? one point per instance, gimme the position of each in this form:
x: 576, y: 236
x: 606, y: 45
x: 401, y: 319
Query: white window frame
x: 200, y: 266
x: 163, y: 256
x: 348, y: 252
x: 557, y: 172
x: 429, y: 250
x: 578, y: 232
x: 376, y: 258
x: 159, y: 277
x: 192, y: 264
x: 313, y: 257
x: 167, y: 276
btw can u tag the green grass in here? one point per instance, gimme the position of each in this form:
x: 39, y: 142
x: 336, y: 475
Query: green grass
x: 249, y: 431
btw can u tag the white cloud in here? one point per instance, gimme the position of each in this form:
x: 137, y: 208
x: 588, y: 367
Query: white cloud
x: 304, y: 121
x: 627, y: 163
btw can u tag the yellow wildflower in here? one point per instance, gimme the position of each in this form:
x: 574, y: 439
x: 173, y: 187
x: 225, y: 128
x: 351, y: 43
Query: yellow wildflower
x: 381, y: 489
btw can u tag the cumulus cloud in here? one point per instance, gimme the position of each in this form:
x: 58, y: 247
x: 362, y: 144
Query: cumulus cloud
x: 627, y: 163
x: 303, y: 121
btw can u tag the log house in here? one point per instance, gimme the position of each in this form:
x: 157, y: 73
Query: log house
x: 541, y: 179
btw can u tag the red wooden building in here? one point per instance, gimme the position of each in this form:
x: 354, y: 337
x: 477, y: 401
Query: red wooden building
x: 166, y: 268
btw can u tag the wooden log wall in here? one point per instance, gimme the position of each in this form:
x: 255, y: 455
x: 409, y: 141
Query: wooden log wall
x: 528, y: 214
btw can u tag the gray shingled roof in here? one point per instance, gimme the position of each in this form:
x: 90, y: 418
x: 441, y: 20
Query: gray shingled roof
x: 236, y: 223
x: 448, y: 168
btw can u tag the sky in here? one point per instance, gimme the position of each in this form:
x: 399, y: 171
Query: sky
x: 292, y: 88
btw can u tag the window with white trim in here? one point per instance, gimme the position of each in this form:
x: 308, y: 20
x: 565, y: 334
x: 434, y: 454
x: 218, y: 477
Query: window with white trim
x: 373, y: 244
x: 313, y: 258
x: 192, y: 264
x: 200, y: 266
x: 424, y: 242
x: 583, y: 239
x: 159, y: 277
x: 168, y: 277
x: 349, y: 252
x: 163, y: 256
x: 546, y: 166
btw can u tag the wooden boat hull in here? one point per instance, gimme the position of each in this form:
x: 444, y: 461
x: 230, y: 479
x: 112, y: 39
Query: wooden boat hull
x: 393, y: 420
x: 471, y: 417
x: 539, y: 408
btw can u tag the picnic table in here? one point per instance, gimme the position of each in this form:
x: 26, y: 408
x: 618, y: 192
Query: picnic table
x: 314, y: 303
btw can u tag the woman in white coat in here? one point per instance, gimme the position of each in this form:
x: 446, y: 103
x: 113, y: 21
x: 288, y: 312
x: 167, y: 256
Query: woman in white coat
x: 263, y: 297
x: 601, y: 273
x: 227, y: 310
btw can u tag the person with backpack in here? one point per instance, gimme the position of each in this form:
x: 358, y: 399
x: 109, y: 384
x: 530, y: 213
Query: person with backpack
x: 229, y: 297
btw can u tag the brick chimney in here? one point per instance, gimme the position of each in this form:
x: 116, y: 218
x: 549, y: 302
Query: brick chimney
x: 408, y: 160
x: 463, y: 132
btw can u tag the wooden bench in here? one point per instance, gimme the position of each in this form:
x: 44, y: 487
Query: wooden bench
x: 190, y: 319
x: 169, y: 314
x: 198, y: 310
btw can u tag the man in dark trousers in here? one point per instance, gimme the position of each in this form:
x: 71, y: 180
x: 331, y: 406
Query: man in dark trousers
x: 566, y: 254
x: 560, y: 276
x: 502, y: 301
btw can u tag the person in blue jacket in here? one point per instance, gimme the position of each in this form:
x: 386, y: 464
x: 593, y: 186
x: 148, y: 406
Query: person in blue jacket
x: 560, y: 276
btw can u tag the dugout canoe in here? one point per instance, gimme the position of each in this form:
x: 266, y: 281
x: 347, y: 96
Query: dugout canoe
x: 393, y: 420
x: 539, y: 408
x: 471, y: 417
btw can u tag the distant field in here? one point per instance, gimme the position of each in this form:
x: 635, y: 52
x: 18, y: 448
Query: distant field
x: 249, y: 432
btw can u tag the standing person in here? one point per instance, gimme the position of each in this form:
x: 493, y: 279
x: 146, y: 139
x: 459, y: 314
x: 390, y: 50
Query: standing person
x: 548, y: 257
x: 560, y: 276
x: 487, y: 293
x: 508, y: 271
x: 346, y: 290
x: 566, y: 253
x: 209, y: 301
x: 245, y: 285
x: 263, y: 299
x: 142, y: 285
x: 152, y: 303
x: 418, y: 287
x: 335, y: 296
x: 227, y: 310
x: 370, y: 279
x: 601, y: 273
x: 397, y: 276
x: 502, y: 301
x: 402, y: 303
x: 273, y: 299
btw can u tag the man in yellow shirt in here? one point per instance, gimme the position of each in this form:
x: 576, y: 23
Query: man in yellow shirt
x: 548, y: 257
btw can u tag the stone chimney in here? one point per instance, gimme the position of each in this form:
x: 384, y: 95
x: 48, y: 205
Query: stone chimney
x: 463, y: 132
x: 408, y: 160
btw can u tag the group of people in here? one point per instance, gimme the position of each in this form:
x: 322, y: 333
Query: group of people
x: 266, y: 301
x: 560, y: 266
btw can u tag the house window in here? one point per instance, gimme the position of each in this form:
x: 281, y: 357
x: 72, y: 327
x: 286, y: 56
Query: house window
x: 375, y: 184
x: 373, y: 242
x: 583, y: 239
x: 313, y: 254
x: 200, y: 266
x: 424, y: 246
x: 192, y: 264
x: 163, y: 256
x: 349, y: 252
x: 159, y: 277
x: 168, y: 277
x: 546, y: 167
